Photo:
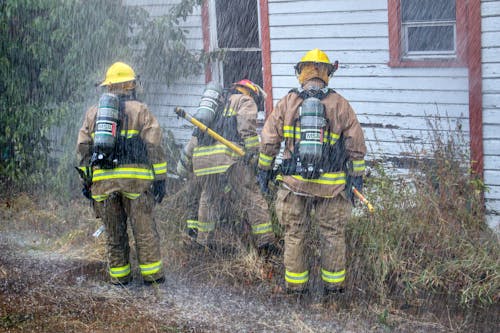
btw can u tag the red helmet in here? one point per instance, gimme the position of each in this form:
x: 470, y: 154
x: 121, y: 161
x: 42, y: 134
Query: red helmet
x: 250, y: 88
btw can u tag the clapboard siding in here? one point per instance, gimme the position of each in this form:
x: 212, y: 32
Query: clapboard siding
x: 394, y: 105
x: 162, y: 99
x: 490, y: 12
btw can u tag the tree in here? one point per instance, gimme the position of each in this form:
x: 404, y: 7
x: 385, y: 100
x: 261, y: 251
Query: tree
x: 53, y: 51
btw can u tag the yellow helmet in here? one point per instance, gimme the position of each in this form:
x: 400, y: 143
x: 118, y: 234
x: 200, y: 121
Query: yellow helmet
x: 119, y: 72
x: 316, y: 56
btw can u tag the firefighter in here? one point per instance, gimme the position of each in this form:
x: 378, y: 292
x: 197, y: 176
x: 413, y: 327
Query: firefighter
x: 323, y: 158
x: 228, y: 181
x: 119, y: 148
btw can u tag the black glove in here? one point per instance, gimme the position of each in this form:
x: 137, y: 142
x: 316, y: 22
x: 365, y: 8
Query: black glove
x: 86, y: 192
x: 357, y: 182
x: 263, y: 177
x: 159, y: 190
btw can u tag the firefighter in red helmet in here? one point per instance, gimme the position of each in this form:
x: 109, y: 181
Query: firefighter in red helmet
x: 228, y: 182
x: 124, y: 167
x: 323, y: 158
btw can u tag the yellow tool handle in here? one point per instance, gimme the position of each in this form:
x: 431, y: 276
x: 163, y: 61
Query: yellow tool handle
x: 180, y: 112
x: 360, y: 196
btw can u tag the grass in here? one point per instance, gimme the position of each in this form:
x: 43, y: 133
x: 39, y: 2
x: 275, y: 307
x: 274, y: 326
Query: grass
x: 425, y: 251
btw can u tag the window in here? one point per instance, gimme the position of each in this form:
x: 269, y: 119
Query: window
x: 237, y: 35
x: 427, y: 32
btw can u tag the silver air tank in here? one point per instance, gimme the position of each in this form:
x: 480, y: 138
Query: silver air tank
x: 210, y: 100
x: 106, y: 126
x: 312, y: 127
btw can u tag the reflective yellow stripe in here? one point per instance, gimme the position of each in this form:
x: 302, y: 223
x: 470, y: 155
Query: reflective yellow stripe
x: 333, y: 277
x: 206, y: 226
x: 211, y: 170
x: 131, y: 195
x: 213, y: 150
x: 265, y: 160
x: 288, y: 132
x: 262, y: 228
x: 129, y: 133
x: 336, y: 178
x: 252, y: 141
x: 358, y: 165
x: 100, y: 197
x: 116, y: 173
x: 333, y: 138
x: 152, y: 268
x: 228, y: 112
x: 160, y: 168
x: 193, y: 224
x: 118, y: 272
x: 297, y: 278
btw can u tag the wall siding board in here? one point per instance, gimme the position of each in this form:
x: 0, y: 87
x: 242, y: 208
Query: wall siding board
x: 490, y: 39
x: 308, y: 6
x: 393, y: 104
x: 326, y: 18
x: 331, y: 31
x: 345, y: 57
x: 339, y: 43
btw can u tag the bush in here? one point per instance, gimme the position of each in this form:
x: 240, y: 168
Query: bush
x: 427, y: 239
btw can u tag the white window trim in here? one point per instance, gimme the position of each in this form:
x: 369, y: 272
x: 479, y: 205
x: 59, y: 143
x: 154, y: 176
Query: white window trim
x: 417, y: 55
x: 217, y: 72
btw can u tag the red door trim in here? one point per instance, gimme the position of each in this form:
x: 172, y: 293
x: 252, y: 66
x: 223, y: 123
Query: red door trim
x: 205, y: 28
x: 266, y: 55
x: 475, y: 86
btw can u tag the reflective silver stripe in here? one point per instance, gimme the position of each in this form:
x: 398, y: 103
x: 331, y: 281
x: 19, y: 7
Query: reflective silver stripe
x: 296, y: 278
x: 118, y: 272
x: 262, y: 228
x: 333, y: 277
x: 192, y: 224
x: 149, y: 269
x: 206, y: 226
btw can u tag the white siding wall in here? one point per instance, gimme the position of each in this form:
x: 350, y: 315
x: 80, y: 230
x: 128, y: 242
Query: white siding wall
x: 391, y: 103
x: 185, y: 93
x: 490, y: 12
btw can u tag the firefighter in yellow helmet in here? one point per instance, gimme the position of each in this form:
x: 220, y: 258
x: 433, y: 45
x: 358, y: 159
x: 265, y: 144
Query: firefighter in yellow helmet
x: 228, y: 185
x: 124, y: 169
x: 322, y: 159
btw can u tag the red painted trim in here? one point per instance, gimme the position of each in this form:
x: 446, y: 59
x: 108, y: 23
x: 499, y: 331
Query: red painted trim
x: 266, y: 55
x: 205, y: 27
x: 475, y: 86
x: 394, y: 15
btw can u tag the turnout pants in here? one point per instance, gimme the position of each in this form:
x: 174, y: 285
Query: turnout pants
x: 234, y: 194
x: 330, y: 216
x: 115, y: 211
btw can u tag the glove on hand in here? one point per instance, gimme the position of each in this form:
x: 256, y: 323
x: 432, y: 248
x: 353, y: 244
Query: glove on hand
x: 86, y: 192
x: 159, y: 190
x: 357, y: 182
x: 263, y: 177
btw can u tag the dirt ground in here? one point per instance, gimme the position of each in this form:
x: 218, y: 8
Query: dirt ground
x: 53, y: 279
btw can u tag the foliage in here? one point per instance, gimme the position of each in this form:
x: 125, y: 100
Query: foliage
x: 427, y: 239
x: 51, y: 54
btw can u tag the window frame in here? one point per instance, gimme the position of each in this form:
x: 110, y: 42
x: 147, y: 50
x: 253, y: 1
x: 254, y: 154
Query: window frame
x: 396, y: 41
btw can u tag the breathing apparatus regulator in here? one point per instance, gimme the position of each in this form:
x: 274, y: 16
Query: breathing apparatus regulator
x: 312, y: 130
x: 107, y: 129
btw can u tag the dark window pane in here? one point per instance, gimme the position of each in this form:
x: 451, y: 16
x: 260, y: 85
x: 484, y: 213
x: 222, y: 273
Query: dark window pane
x: 427, y: 10
x: 237, y: 23
x: 240, y: 65
x: 431, y: 38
